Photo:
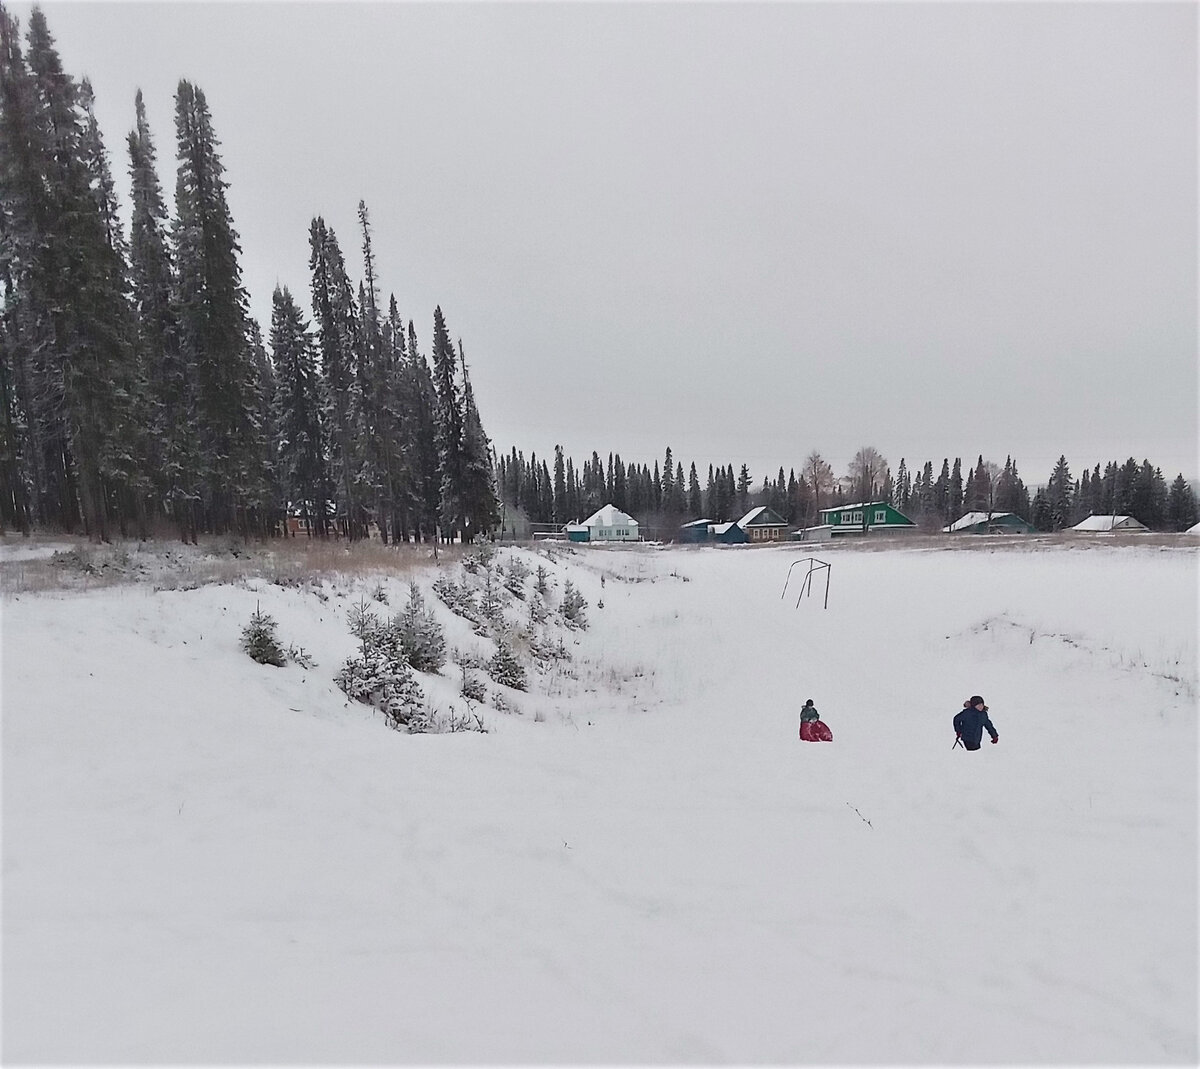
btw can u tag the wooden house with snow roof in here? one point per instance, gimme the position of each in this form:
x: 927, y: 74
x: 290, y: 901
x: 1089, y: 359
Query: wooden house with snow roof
x: 763, y: 525
x: 758, y: 525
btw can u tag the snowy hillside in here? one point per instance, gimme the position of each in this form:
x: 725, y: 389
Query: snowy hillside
x: 209, y: 860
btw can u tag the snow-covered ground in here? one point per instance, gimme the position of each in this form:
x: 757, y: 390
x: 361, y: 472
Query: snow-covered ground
x: 207, y: 860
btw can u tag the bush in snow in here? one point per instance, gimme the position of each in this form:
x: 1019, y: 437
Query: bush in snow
x: 480, y: 557
x: 382, y: 678
x: 458, y: 599
x: 473, y: 688
x: 493, y: 596
x: 379, y: 674
x: 259, y: 641
x: 573, y: 604
x: 514, y: 579
x: 545, y: 649
x: 505, y: 668
x: 420, y: 635
x: 299, y: 655
x: 539, y: 611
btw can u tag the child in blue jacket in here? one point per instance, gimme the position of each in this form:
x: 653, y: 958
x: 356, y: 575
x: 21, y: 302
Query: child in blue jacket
x: 970, y: 721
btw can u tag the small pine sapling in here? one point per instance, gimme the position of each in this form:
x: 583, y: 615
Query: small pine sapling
x: 514, y: 580
x: 506, y: 668
x: 259, y: 641
x: 420, y: 635
x: 473, y: 688
x: 573, y: 606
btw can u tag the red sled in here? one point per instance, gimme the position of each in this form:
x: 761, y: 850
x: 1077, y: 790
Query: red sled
x: 815, y: 731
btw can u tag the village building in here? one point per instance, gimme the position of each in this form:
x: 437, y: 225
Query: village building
x: 607, y: 524
x: 758, y: 525
x: 763, y: 525
x: 866, y: 517
x: 695, y: 531
x: 1113, y: 524
x: 989, y: 523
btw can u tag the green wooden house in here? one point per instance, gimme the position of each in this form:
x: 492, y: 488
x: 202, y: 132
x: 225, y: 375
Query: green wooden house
x: 866, y: 517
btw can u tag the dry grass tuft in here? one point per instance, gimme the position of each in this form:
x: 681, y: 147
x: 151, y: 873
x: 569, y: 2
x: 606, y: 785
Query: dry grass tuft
x: 169, y: 565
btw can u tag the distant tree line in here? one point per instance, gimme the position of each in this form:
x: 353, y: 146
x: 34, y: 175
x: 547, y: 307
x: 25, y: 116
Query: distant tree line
x: 136, y: 389
x: 664, y: 496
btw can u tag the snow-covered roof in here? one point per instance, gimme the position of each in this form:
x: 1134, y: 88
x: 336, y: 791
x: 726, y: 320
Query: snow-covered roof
x: 697, y: 523
x: 857, y: 505
x: 1194, y: 529
x: 972, y: 518
x: 720, y: 528
x: 609, y: 516
x: 1109, y: 523
x: 753, y: 514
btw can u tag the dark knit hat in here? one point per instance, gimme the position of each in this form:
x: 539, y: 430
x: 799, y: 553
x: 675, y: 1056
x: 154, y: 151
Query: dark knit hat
x: 976, y: 700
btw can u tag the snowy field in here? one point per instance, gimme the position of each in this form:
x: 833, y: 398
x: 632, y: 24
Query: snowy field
x: 211, y: 861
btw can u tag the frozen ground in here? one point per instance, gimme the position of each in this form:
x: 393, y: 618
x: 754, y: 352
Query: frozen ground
x: 211, y: 861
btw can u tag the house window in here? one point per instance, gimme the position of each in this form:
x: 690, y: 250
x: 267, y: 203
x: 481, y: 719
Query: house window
x: 846, y: 517
x: 858, y: 517
x: 881, y: 516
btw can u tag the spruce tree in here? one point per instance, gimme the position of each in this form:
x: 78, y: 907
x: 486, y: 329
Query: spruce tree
x: 481, y: 510
x: 954, y: 493
x: 303, y: 455
x: 23, y: 222
x: 743, y: 491
x: 72, y: 316
x: 695, y: 503
x: 1181, y: 505
x: 424, y: 438
x: 213, y: 318
x: 336, y: 324
x: 169, y: 381
x: 379, y: 414
x: 940, y: 495
x: 560, y: 487
x: 449, y: 424
x: 1059, y: 495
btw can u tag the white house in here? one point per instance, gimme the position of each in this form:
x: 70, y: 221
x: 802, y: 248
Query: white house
x: 608, y: 524
x: 1110, y: 523
x: 1193, y: 530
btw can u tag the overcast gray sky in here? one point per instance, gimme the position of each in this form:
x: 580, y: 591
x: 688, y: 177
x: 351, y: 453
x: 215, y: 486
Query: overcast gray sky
x: 744, y: 231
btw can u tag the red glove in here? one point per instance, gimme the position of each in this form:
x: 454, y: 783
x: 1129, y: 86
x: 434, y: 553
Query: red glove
x: 995, y: 740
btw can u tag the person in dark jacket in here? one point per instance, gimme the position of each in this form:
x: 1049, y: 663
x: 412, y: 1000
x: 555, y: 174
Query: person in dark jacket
x: 970, y: 721
x: 812, y: 728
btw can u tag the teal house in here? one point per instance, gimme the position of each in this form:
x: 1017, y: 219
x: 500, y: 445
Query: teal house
x: 866, y: 517
x: 989, y: 523
x: 695, y: 532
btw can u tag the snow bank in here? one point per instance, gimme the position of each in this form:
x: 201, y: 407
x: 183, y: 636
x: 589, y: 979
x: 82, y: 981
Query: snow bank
x: 209, y: 860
